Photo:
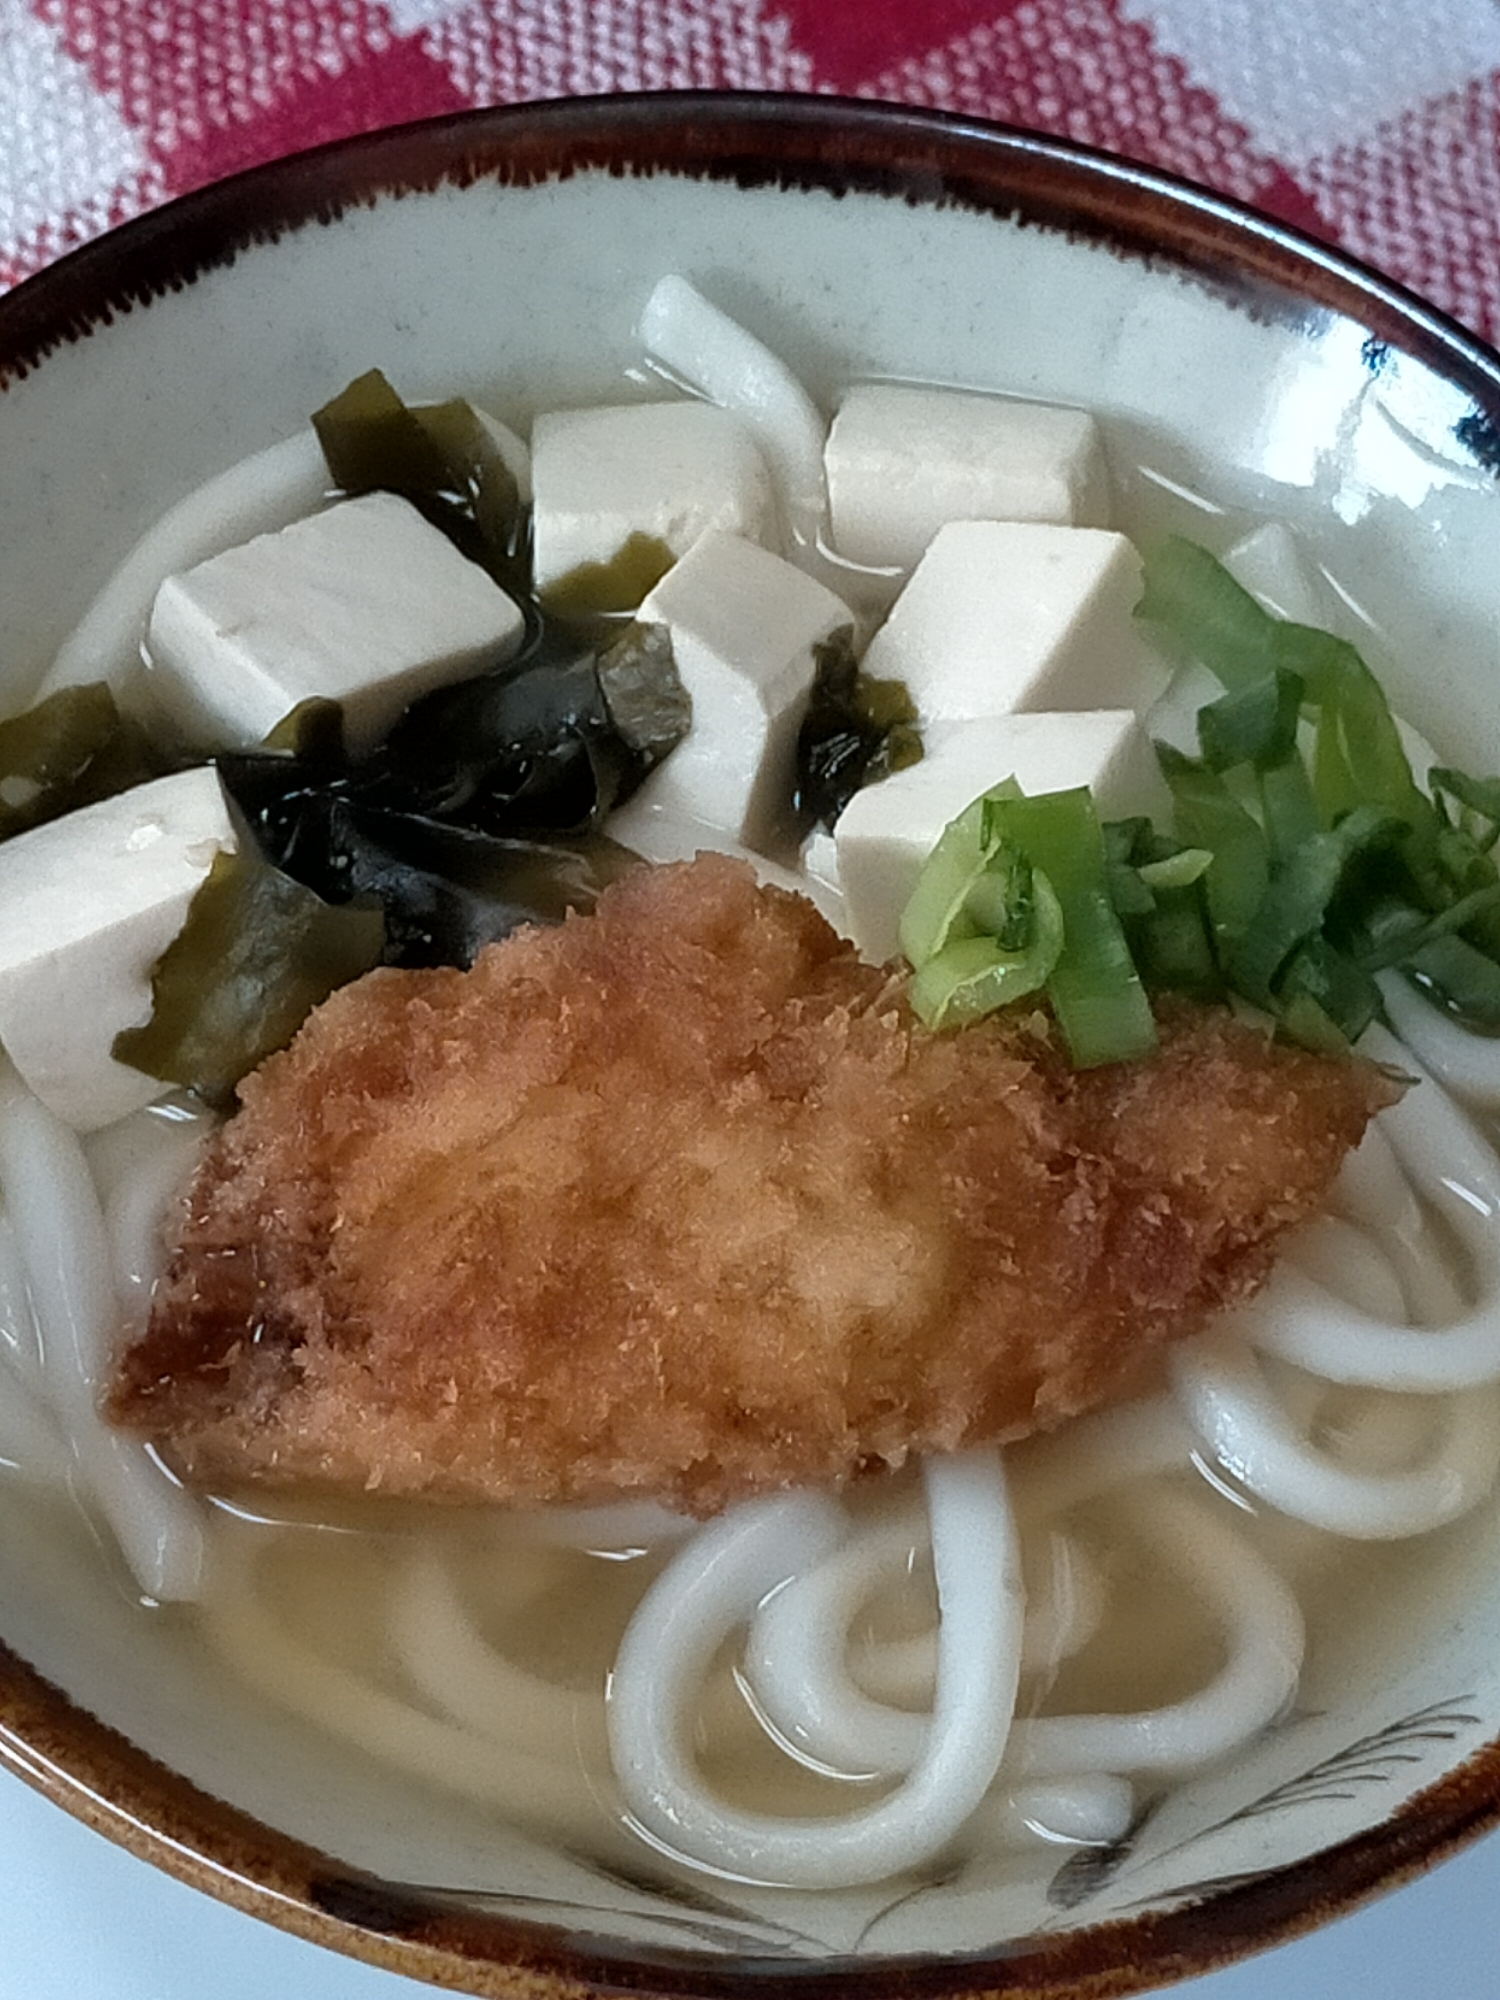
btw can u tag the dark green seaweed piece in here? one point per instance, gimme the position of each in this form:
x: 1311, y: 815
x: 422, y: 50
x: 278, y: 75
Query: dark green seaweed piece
x: 595, y: 589
x: 439, y: 457
x: 447, y: 892
x: 548, y: 745
x: 258, y: 952
x: 643, y: 692
x: 374, y: 443
x: 70, y: 750
x: 477, y: 467
x: 856, y: 731
x: 519, y: 751
x: 482, y: 809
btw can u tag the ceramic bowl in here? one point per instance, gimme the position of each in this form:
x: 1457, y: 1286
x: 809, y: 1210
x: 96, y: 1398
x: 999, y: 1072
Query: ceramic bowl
x: 1242, y: 373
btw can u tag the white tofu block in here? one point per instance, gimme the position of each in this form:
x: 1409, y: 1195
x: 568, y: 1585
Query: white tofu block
x: 366, y: 604
x: 903, y: 461
x: 1001, y: 616
x: 743, y: 625
x: 886, y: 832
x: 668, y: 471
x: 820, y: 859
x: 88, y: 903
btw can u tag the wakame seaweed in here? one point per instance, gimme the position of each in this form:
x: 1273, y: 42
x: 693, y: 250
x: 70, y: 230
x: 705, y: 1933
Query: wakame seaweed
x: 482, y: 808
x: 856, y: 730
x: 72, y: 749
x: 258, y: 952
x: 440, y: 457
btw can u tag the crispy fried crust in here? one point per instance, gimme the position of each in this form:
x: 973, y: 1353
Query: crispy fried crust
x: 679, y: 1199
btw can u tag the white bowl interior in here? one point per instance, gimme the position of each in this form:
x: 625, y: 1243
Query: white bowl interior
x: 528, y: 297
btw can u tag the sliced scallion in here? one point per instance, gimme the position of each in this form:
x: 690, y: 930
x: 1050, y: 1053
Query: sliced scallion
x: 1095, y: 990
x: 1208, y: 815
x: 936, y: 914
x: 1297, y: 900
x: 1255, y: 724
x: 972, y: 976
x: 1331, y: 867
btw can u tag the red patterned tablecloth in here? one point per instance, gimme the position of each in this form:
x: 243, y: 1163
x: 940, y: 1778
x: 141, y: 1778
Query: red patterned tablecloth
x: 1373, y: 123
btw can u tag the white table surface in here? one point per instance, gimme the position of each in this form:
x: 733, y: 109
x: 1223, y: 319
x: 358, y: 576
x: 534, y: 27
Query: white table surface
x: 82, y: 1920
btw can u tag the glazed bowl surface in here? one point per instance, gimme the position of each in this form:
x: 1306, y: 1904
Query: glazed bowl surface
x: 1242, y: 375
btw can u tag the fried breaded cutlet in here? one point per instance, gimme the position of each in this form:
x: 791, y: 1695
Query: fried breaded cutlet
x: 679, y: 1199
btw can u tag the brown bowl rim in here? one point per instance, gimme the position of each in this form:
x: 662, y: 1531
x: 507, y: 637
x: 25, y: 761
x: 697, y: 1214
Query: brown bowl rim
x: 753, y: 140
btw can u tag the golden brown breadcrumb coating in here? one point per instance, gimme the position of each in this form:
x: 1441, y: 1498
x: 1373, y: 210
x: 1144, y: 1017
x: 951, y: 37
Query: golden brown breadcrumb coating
x: 679, y: 1199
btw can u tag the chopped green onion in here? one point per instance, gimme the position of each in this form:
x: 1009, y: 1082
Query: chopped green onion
x: 1002, y: 903
x: 1358, y: 757
x: 1346, y: 997
x: 1297, y: 899
x: 1333, y: 867
x: 1460, y: 979
x: 1127, y: 843
x: 1288, y: 806
x: 1176, y: 871
x: 1479, y: 796
x: 972, y: 976
x: 1394, y: 931
x: 1256, y: 724
x: 1095, y: 990
x: 1209, y: 816
x: 1292, y: 880
x: 1191, y: 595
x: 937, y: 914
x: 1173, y: 946
x: 1305, y: 1022
x: 1016, y: 896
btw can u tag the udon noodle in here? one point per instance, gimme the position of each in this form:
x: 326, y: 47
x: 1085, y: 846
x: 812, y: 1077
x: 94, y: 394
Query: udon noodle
x: 812, y: 1690
x: 874, y: 1675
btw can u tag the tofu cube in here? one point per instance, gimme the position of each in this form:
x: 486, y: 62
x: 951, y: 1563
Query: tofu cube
x: 668, y: 472
x: 88, y: 903
x: 820, y: 860
x: 366, y: 604
x: 903, y: 461
x: 744, y: 625
x: 886, y: 832
x: 1001, y: 616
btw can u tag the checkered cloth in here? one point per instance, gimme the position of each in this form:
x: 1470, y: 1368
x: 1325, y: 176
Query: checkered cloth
x: 1373, y: 123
